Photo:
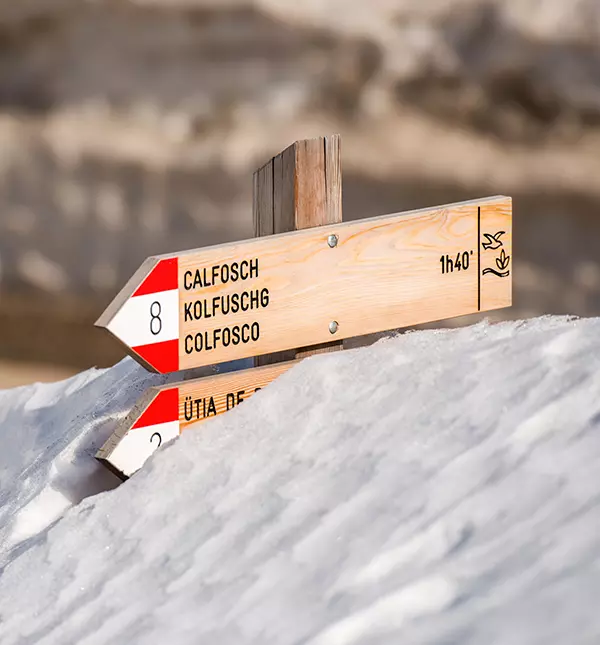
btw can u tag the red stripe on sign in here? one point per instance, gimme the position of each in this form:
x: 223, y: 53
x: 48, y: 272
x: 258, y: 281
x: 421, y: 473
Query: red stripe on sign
x: 163, y: 357
x: 162, y: 278
x: 164, y: 408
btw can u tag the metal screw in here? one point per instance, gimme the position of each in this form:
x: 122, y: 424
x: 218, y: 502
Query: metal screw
x: 333, y: 327
x: 332, y: 240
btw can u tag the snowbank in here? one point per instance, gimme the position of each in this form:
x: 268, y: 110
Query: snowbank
x: 438, y: 487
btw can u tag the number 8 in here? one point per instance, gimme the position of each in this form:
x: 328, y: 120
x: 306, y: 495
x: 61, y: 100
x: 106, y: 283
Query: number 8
x: 155, y: 318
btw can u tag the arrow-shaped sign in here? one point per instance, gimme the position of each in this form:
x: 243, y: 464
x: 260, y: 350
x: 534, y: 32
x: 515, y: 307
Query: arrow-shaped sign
x: 164, y: 412
x: 308, y: 287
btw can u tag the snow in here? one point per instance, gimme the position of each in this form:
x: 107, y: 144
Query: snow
x: 438, y: 487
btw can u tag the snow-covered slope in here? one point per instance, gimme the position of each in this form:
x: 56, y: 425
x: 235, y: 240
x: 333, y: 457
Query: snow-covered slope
x: 438, y: 487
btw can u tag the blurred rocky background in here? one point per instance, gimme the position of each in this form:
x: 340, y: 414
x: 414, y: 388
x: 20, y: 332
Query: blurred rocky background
x: 129, y: 128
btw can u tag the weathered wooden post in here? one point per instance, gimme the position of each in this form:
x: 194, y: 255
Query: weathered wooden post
x: 299, y: 188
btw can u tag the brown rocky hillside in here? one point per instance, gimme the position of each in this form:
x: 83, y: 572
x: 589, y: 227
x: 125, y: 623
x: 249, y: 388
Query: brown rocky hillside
x: 132, y: 128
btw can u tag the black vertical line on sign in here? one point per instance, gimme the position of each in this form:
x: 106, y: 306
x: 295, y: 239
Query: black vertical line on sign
x: 325, y: 176
x: 272, y: 231
x: 479, y: 258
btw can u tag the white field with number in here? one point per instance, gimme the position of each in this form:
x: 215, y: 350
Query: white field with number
x: 140, y: 443
x: 151, y: 318
x: 438, y: 487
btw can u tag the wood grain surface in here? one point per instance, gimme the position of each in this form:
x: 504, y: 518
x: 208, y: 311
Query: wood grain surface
x: 225, y: 390
x: 384, y: 273
x: 186, y: 404
x: 299, y: 188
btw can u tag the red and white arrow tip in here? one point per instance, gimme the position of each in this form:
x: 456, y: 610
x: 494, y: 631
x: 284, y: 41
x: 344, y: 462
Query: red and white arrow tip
x: 156, y: 425
x: 145, y: 315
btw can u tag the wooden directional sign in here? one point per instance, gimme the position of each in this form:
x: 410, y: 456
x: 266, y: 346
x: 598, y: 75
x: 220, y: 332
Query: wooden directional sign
x: 313, y: 286
x: 164, y: 412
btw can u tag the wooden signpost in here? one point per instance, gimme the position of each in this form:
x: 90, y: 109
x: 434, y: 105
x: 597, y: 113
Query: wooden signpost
x: 162, y: 413
x: 306, y: 289
x: 270, y: 294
